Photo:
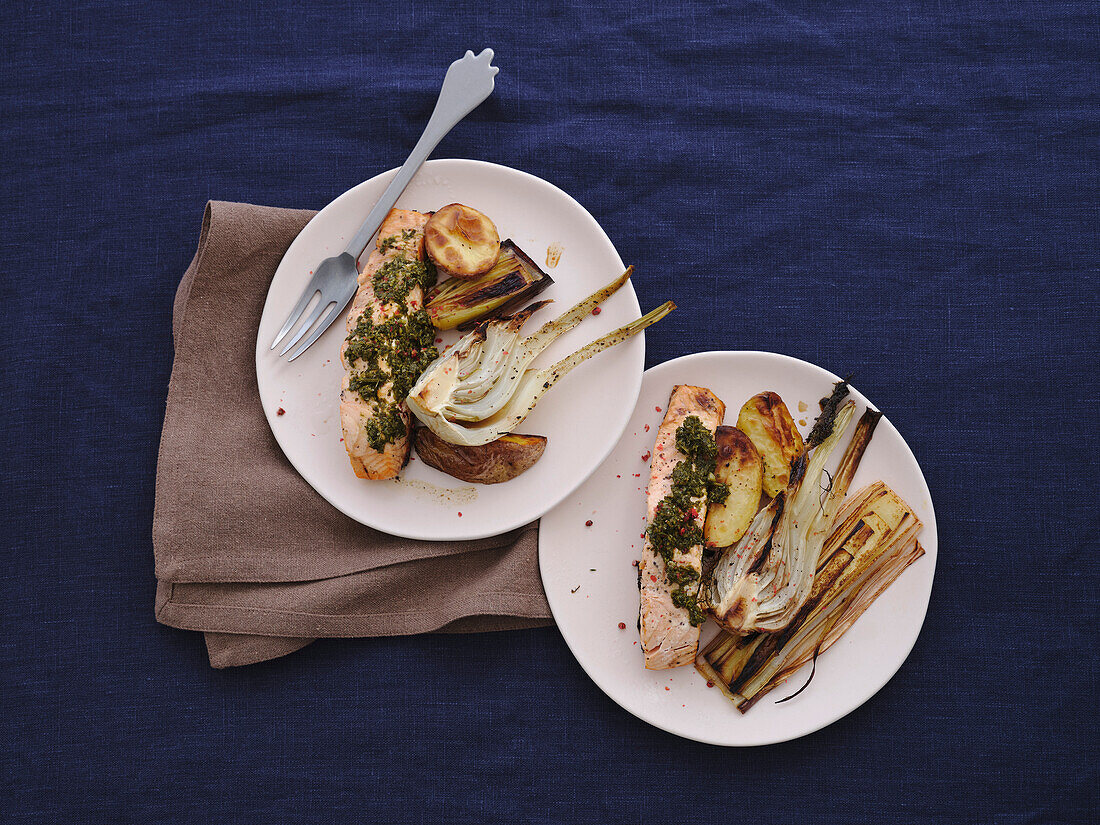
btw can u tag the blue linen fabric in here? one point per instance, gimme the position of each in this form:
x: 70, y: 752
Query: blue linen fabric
x: 906, y: 191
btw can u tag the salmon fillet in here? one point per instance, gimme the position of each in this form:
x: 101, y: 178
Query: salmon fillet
x: 403, y: 232
x: 668, y: 637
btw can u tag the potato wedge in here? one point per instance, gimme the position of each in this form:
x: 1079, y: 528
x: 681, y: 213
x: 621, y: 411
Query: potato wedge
x: 492, y: 463
x: 766, y: 420
x: 741, y: 467
x: 461, y: 241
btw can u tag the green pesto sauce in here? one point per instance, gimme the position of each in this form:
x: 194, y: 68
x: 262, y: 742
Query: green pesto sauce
x: 389, y: 242
x: 386, y: 359
x: 674, y: 528
x: 385, y: 426
x: 395, y: 279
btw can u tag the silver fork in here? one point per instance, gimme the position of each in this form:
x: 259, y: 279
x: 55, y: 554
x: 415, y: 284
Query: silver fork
x: 468, y: 82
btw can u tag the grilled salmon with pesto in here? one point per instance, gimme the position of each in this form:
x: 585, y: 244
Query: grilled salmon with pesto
x: 681, y: 484
x: 389, y: 343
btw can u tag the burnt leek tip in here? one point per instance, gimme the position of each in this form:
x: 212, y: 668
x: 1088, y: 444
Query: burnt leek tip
x: 829, y: 406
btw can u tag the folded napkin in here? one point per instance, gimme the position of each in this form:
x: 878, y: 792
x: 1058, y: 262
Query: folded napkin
x: 245, y: 550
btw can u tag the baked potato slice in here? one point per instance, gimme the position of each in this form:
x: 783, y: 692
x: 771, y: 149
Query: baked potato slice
x: 492, y: 463
x: 767, y: 422
x: 461, y: 241
x: 741, y: 467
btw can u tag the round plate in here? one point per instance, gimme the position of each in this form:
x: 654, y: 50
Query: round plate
x: 424, y: 503
x: 592, y: 584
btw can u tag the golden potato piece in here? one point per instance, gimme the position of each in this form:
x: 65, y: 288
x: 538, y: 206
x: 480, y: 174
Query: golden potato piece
x: 461, y: 241
x: 766, y: 420
x: 739, y: 466
x: 492, y: 463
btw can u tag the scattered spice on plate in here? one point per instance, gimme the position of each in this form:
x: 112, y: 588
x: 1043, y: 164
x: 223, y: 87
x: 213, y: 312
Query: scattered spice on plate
x: 596, y: 311
x: 622, y: 625
x: 280, y: 411
x: 645, y: 456
x: 575, y: 589
x: 588, y: 523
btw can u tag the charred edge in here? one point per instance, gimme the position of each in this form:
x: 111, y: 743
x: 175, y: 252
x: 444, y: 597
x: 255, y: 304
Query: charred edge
x: 513, y: 304
x: 767, y: 402
x: 763, y: 557
x: 479, y: 332
x: 757, y: 660
x: 495, y: 290
x: 542, y: 282
x: 798, y: 467
x: 829, y: 408
x: 508, y: 243
x: 775, y: 641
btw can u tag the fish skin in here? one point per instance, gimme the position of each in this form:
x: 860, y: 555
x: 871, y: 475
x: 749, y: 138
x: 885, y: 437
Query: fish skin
x: 667, y: 636
x: 355, y: 413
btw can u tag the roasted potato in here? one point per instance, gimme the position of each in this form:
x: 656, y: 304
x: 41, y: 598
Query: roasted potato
x: 492, y: 463
x: 766, y: 420
x: 741, y: 467
x: 461, y: 241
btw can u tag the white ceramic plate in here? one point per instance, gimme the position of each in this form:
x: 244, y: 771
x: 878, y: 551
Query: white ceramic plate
x: 583, y: 416
x: 592, y: 584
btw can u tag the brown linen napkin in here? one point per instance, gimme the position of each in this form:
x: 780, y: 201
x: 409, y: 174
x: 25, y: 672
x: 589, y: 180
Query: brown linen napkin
x: 245, y: 550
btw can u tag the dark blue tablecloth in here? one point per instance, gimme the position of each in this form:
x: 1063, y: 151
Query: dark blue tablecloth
x: 908, y: 192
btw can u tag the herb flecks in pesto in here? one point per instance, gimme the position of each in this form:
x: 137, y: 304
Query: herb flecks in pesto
x: 390, y: 241
x: 395, y: 279
x: 386, y: 358
x: 675, y: 527
x: 385, y: 426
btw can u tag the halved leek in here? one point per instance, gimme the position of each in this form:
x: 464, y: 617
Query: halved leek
x: 873, y: 542
x: 512, y: 280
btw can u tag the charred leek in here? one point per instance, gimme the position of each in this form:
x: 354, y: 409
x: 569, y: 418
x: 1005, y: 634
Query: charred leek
x: 513, y: 280
x: 873, y: 542
x: 481, y: 388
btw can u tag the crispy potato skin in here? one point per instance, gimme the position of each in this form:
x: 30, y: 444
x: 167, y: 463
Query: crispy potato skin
x: 741, y: 467
x: 461, y: 241
x: 492, y: 463
x: 767, y: 422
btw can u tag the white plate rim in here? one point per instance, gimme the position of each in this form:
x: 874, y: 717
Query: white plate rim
x: 438, y: 166
x: 929, y: 540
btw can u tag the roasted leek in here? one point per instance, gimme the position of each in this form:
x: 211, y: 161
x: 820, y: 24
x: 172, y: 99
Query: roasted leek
x: 513, y: 280
x: 872, y: 543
